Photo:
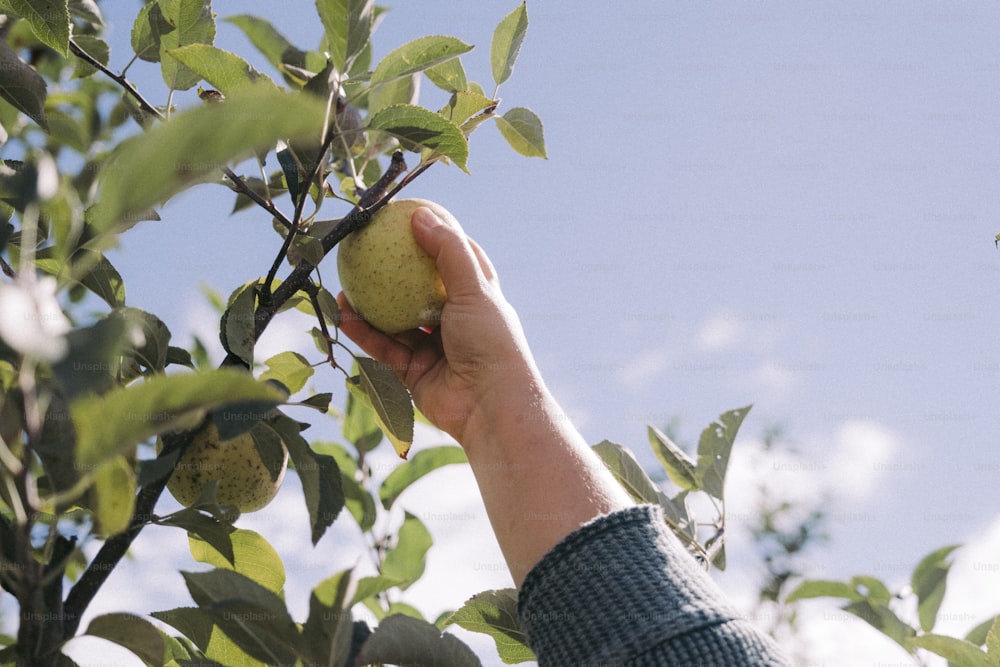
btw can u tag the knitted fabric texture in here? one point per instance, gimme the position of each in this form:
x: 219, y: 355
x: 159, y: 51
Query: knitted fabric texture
x: 622, y: 590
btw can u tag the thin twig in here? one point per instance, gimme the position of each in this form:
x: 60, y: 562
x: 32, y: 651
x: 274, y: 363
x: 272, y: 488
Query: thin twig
x: 238, y: 183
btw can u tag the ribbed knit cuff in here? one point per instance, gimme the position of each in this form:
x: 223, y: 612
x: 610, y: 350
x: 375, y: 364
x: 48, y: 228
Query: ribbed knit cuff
x: 616, y: 587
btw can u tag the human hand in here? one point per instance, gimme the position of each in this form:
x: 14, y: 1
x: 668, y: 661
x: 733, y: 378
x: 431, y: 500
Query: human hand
x: 463, y: 373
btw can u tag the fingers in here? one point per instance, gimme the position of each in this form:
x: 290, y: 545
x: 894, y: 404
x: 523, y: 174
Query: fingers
x: 462, y: 266
x: 376, y: 344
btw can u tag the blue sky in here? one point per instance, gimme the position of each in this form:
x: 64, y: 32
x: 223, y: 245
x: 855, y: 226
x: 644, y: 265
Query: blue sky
x: 784, y: 204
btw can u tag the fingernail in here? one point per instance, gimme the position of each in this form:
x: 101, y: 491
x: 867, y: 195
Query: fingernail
x: 426, y: 218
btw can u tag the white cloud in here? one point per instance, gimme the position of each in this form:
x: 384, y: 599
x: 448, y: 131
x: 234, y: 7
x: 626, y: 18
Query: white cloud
x: 644, y: 368
x: 863, y: 452
x: 719, y: 333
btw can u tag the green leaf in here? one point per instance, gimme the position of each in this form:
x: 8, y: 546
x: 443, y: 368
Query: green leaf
x: 369, y: 586
x: 113, y: 496
x: 958, y: 651
x: 448, y: 76
x: 327, y: 632
x: 208, y: 529
x: 929, y: 581
x: 359, y: 426
x: 95, y: 47
x: 49, y: 20
x: 464, y: 105
x: 271, y: 43
x: 194, y: 23
x: 348, y: 25
x: 979, y: 634
x: 22, y: 86
x: 290, y: 369
x: 416, y: 127
x: 390, y: 401
x: 147, y: 29
x: 195, y: 145
x: 132, y: 632
x: 115, y: 422
x: 872, y: 589
x: 255, y: 618
x: 627, y: 470
x: 993, y: 641
x: 883, y: 619
x: 522, y: 129
x: 401, y: 639
x: 359, y: 502
x: 494, y: 613
x: 253, y: 557
x: 102, y: 278
x: 680, y: 467
x: 423, y: 462
x: 405, y: 560
x: 417, y: 56
x: 319, y: 474
x: 714, y: 447
x: 238, y: 326
x: 506, y: 44
x: 818, y: 588
x: 225, y: 71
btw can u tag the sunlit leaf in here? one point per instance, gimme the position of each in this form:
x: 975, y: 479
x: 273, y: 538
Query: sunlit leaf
x: 958, y: 651
x: 268, y: 40
x: 390, y: 401
x: 225, y: 71
x: 49, y: 20
x: 714, y: 447
x: 348, y: 27
x: 823, y: 588
x: 494, y: 613
x: 449, y: 76
x: 113, y: 496
x: 255, y: 618
x: 680, y: 467
x: 290, y: 369
x: 193, y: 23
x: 405, y: 560
x: 417, y: 56
x: 253, y: 557
x: 195, y: 145
x: 423, y: 462
x: 416, y: 127
x: 115, y: 422
x: 522, y: 129
x: 506, y: 43
x: 627, y: 470
x: 208, y: 529
x: 147, y: 29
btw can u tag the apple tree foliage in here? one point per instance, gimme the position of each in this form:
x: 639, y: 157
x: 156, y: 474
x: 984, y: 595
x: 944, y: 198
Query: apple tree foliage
x: 98, y: 401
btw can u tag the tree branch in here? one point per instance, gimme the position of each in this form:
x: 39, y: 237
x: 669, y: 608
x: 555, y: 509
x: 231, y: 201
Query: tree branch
x: 238, y: 183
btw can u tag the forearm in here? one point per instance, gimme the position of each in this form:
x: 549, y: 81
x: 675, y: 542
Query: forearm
x: 539, y: 479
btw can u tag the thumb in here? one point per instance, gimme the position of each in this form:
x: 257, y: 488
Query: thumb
x: 453, y: 254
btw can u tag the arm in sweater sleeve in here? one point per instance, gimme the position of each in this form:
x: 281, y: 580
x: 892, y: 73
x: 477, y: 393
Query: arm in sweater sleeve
x: 608, y: 583
x: 622, y: 590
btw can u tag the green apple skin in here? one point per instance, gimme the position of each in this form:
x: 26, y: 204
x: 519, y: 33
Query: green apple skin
x: 244, y: 480
x: 387, y: 278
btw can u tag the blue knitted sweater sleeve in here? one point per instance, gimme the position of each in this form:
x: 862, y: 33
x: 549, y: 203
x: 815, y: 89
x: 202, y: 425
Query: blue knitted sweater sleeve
x: 622, y: 590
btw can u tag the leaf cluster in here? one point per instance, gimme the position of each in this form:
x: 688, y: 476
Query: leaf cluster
x: 94, y: 417
x: 890, y: 613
